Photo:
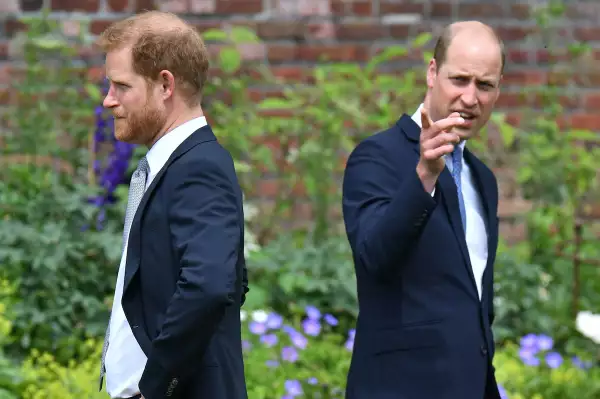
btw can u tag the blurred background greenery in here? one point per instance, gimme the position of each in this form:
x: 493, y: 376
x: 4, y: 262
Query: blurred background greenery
x: 63, y: 185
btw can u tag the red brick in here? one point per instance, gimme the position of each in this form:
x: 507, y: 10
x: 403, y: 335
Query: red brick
x: 4, y: 46
x: 324, y: 53
x: 587, y: 80
x: 238, y: 6
x: 351, y: 7
x: 98, y: 26
x: 75, y: 5
x: 478, y: 10
x: 12, y: 26
x: 441, y: 10
x: 338, y: 7
x: 282, y: 52
x: 387, y: 7
x: 144, y: 5
x: 519, y: 11
x: 512, y: 232
x: 592, y: 101
x: 511, y: 100
x: 524, y: 77
x: 517, y: 56
x: 202, y: 25
x: 118, y: 5
x: 291, y: 73
x: 400, y: 31
x: 361, y: 8
x: 587, y: 34
x: 321, y: 31
x: 513, y: 33
x: 361, y: 31
x: 275, y: 30
x: 583, y: 120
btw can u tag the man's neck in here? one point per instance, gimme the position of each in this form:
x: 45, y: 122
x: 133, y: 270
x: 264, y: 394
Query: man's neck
x: 176, y: 120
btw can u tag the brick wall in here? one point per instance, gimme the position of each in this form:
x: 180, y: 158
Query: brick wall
x: 298, y: 32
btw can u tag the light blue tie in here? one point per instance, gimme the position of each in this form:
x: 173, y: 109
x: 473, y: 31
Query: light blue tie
x: 457, y: 156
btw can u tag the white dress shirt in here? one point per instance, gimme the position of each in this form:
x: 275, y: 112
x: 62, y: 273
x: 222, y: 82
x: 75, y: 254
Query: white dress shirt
x: 125, y: 360
x: 476, y: 236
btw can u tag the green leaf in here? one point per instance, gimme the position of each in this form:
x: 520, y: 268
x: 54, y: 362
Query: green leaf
x: 216, y: 35
x: 421, y: 40
x: 93, y: 91
x: 242, y: 34
x: 230, y: 59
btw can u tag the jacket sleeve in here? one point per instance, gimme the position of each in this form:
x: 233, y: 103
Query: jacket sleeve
x: 204, y: 219
x: 385, y: 208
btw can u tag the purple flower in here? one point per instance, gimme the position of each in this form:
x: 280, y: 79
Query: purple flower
x: 312, y: 381
x: 257, y: 328
x: 274, y: 321
x: 529, y: 341
x: 329, y: 319
x: 293, y: 388
x: 312, y: 312
x: 580, y: 363
x: 349, y: 345
x: 350, y: 342
x: 528, y: 356
x: 298, y: 340
x: 246, y: 345
x: 544, y: 342
x: 269, y: 339
x: 502, y: 391
x: 554, y: 360
x: 272, y: 363
x: 311, y: 327
x: 289, y: 354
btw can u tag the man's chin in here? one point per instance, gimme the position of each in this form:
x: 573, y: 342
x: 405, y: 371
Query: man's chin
x: 125, y: 137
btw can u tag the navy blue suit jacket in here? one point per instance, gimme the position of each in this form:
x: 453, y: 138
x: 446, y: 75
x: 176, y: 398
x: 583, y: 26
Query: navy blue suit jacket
x: 422, y: 331
x: 185, y: 278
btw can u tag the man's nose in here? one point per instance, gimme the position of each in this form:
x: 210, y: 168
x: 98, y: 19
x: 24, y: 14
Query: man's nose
x: 469, y: 96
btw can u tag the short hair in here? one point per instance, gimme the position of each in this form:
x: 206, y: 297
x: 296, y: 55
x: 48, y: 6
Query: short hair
x: 162, y: 41
x: 446, y: 37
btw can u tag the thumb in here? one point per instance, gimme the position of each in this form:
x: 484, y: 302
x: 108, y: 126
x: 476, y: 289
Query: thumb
x: 425, y: 120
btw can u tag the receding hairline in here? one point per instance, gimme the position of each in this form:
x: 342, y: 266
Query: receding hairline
x: 452, y: 30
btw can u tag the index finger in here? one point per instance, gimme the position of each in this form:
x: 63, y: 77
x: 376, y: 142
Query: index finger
x: 448, y: 123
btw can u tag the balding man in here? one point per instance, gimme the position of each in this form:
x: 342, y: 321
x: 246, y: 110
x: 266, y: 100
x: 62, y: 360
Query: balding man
x: 174, y: 330
x: 420, y: 212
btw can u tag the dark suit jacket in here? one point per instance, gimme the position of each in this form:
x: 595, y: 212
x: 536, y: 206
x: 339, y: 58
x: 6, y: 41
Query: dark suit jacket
x: 422, y: 332
x: 185, y: 278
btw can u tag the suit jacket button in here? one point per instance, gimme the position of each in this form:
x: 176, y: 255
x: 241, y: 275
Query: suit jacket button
x: 484, y: 350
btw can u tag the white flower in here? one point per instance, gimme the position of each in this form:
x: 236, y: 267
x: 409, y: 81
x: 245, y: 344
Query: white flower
x: 589, y: 325
x: 260, y: 316
x: 243, y: 315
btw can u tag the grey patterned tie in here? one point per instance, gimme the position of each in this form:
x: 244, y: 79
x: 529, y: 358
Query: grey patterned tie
x: 136, y: 192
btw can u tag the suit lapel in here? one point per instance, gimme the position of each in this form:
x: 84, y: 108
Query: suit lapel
x: 201, y: 135
x: 449, y: 196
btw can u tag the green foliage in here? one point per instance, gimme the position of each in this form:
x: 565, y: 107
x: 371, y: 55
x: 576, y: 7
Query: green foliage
x: 292, y: 272
x: 61, y: 264
x: 299, y: 138
x: 47, y: 378
x: 318, y: 364
x: 567, y: 381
